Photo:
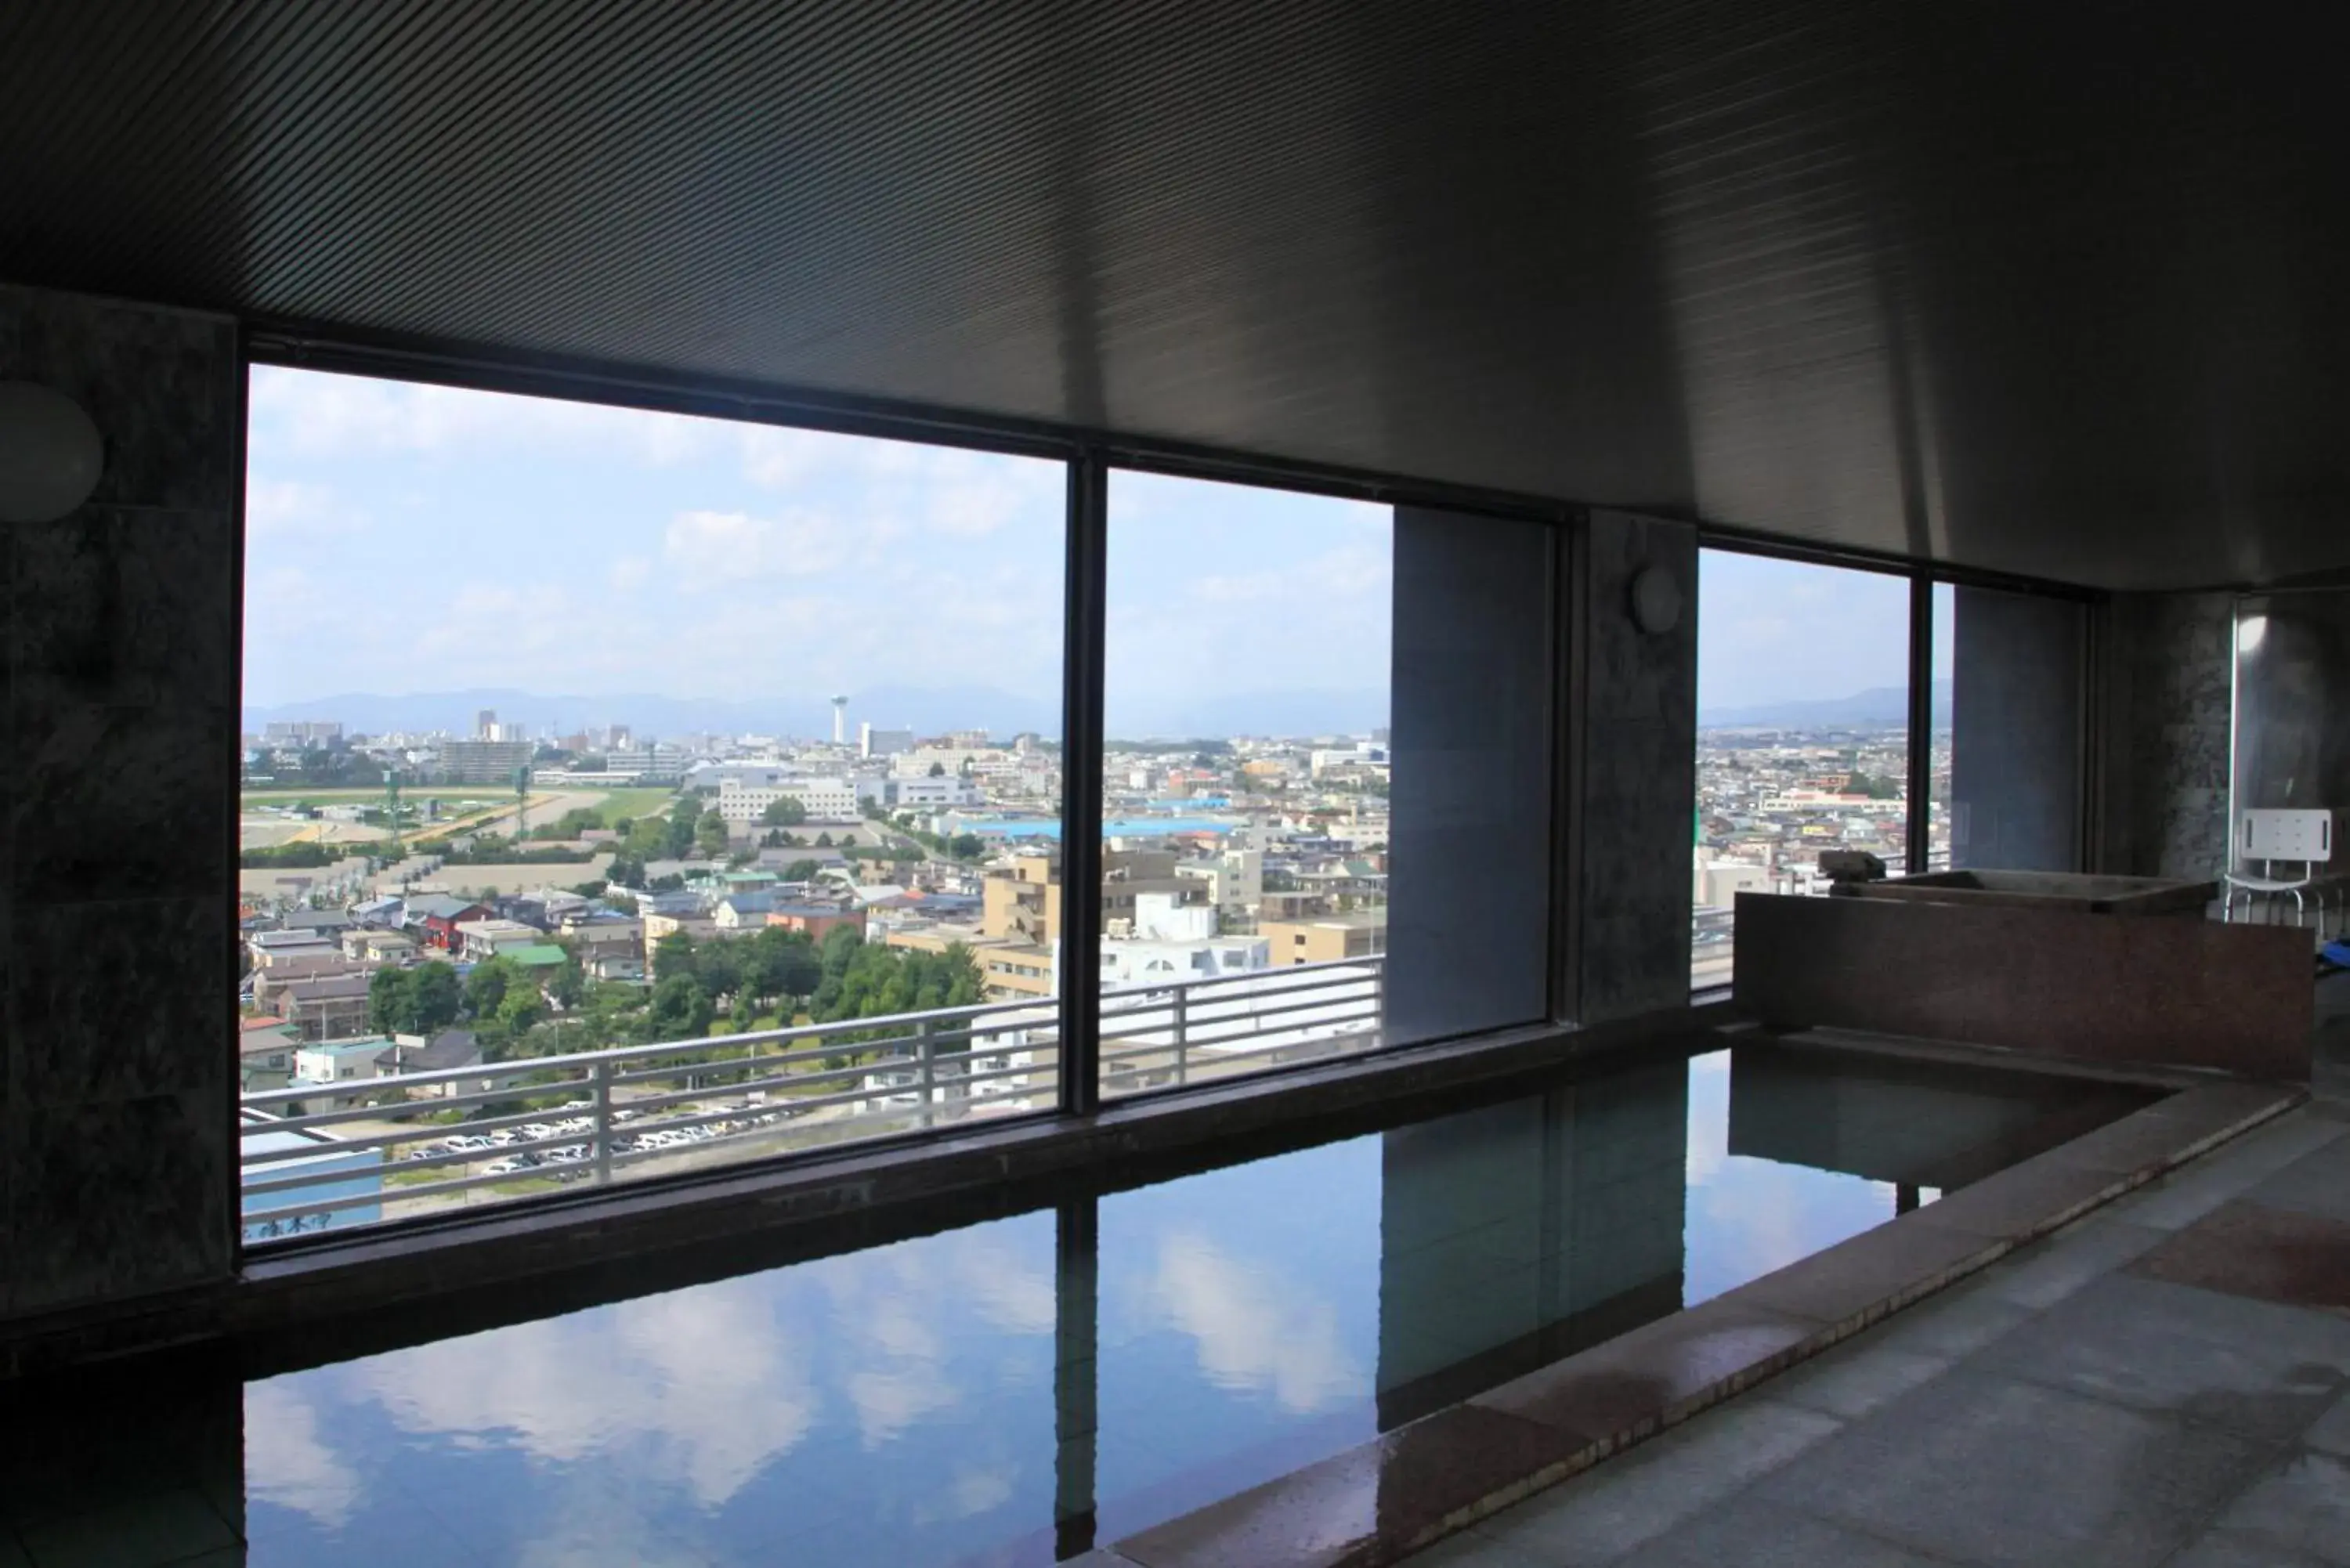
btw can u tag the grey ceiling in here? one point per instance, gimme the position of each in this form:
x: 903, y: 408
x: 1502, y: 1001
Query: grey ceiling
x: 2052, y: 288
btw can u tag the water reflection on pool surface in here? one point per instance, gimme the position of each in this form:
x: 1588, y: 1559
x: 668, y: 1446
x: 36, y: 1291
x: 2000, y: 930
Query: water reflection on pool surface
x: 1018, y: 1389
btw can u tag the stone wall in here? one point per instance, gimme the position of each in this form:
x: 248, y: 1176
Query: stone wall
x: 2166, y: 717
x: 1639, y: 774
x: 119, y: 626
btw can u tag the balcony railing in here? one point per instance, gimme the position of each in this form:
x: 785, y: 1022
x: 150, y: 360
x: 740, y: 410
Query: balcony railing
x: 319, y: 1156
x: 1713, y: 946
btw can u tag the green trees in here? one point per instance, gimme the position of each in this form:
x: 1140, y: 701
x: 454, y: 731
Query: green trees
x: 571, y: 824
x: 486, y: 987
x: 291, y: 856
x: 938, y: 770
x: 568, y: 985
x: 680, y: 1009
x: 678, y: 829
x: 801, y: 870
x: 412, y: 1001
x: 709, y: 836
x: 673, y: 955
x: 519, y: 1008
x: 785, y: 811
x: 869, y: 981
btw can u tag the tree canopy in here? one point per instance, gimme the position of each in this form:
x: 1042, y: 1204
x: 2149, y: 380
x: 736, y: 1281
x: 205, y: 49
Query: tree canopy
x: 416, y: 1000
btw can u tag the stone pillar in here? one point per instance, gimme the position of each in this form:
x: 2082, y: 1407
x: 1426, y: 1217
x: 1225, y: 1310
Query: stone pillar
x: 2168, y: 669
x: 119, y: 625
x: 1638, y: 756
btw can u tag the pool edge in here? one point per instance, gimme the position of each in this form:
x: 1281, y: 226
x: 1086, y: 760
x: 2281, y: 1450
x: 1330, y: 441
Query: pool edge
x: 1442, y: 1473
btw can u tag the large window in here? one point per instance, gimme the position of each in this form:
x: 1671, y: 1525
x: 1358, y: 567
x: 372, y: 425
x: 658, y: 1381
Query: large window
x: 1245, y: 780
x: 626, y: 793
x: 1327, y: 795
x: 1803, y: 741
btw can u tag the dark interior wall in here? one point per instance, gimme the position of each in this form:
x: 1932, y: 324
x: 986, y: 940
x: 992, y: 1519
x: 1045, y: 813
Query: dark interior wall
x: 117, y: 945
x: 1639, y: 754
x: 2166, y: 717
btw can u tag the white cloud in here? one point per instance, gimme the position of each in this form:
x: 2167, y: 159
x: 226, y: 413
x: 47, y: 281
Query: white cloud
x: 287, y: 1463
x: 1253, y: 1331
x: 291, y: 506
x: 710, y: 550
x: 320, y: 415
x: 702, y: 1388
x: 628, y: 573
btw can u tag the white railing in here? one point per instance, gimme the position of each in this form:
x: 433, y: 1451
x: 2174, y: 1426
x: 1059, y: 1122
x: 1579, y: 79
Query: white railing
x: 506, y: 1130
x: 1186, y: 1031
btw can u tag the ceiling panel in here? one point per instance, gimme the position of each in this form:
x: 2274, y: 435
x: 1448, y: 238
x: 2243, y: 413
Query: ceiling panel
x: 2044, y: 288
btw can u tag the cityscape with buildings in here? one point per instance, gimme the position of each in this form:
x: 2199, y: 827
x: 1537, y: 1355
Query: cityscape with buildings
x: 423, y: 902
x: 1770, y: 799
x: 429, y: 901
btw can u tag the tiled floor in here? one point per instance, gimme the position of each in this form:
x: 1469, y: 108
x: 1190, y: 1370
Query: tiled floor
x: 2168, y: 1382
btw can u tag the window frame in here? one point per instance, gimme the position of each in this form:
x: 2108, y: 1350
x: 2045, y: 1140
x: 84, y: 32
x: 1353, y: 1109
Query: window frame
x: 1089, y: 455
x: 1923, y: 577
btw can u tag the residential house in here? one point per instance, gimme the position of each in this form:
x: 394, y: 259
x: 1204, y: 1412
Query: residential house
x: 339, y: 1061
x: 270, y: 947
x: 265, y: 1054
x: 390, y: 912
x: 326, y: 1007
x: 487, y: 939
x: 741, y: 913
x: 368, y: 944
x: 449, y: 1050
x: 817, y: 921
x: 327, y: 923
x: 438, y: 916
x: 701, y: 927
x: 1327, y: 939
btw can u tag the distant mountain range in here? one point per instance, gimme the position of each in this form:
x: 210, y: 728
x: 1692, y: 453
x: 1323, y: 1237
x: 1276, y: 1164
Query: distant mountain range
x: 1877, y: 706
x: 927, y: 710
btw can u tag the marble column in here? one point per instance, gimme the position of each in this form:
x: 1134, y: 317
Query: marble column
x: 2166, y: 717
x: 1639, y: 774
x: 117, y: 864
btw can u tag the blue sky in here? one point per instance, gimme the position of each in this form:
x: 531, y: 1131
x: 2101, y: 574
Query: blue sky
x: 408, y: 538
x: 415, y: 538
x: 1776, y: 631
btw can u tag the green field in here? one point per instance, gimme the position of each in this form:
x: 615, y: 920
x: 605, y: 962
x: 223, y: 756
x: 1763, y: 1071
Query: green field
x: 627, y: 805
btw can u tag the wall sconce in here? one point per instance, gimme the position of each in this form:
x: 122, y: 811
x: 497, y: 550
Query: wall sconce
x: 51, y: 455
x: 1656, y: 600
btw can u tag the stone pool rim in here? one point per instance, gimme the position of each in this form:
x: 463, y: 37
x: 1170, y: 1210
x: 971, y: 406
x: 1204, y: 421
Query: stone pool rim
x: 1438, y: 1475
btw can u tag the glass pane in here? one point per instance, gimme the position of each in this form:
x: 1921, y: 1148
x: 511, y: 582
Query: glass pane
x: 1245, y: 780
x: 2007, y: 730
x: 1803, y: 740
x: 577, y: 732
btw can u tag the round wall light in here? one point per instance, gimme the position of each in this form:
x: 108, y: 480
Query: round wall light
x: 51, y: 455
x: 2251, y: 632
x: 1656, y: 599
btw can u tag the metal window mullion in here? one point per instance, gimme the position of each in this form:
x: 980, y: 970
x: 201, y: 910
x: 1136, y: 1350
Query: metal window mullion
x: 1084, y: 627
x: 1917, y: 838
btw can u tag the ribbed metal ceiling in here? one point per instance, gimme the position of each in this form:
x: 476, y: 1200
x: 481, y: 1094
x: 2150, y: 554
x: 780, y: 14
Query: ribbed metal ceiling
x: 2047, y: 288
